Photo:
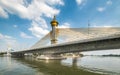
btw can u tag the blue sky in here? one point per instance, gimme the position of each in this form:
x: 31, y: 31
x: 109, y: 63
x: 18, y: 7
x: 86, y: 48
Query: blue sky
x: 24, y: 22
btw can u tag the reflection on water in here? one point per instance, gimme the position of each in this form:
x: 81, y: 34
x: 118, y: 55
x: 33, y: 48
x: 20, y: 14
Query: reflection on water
x: 9, y: 66
x: 88, y: 65
x: 108, y: 65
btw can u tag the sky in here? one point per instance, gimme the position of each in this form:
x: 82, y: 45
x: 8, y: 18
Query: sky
x: 24, y: 22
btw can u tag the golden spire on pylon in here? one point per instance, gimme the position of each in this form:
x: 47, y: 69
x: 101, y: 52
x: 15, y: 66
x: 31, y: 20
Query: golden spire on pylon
x: 54, y: 22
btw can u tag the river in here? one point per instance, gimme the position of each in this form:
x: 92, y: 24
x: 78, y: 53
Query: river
x: 87, y: 65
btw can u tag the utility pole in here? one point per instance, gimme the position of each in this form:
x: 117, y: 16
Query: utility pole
x: 88, y: 28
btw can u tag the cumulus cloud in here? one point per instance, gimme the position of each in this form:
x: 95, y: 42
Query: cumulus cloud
x: 24, y: 35
x: 55, y: 2
x: 109, y: 2
x: 101, y: 9
x: 36, y: 11
x: 5, y: 37
x: 37, y: 30
x: 6, y: 40
x: 104, y: 25
x: 79, y: 2
x: 107, y: 26
x: 64, y: 25
x: 15, y: 26
x: 3, y: 13
x: 13, y: 7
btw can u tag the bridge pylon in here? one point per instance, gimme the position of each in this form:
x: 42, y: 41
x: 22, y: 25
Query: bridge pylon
x: 53, y: 35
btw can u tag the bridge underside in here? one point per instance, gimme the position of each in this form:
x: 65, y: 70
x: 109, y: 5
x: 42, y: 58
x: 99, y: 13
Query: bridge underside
x: 105, y: 44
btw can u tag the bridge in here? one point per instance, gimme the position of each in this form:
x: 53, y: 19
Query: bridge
x: 83, y: 39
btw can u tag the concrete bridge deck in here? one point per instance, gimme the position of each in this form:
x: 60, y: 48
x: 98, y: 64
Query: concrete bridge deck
x: 100, y: 43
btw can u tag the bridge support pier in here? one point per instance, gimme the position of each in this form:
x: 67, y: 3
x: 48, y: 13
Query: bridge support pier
x: 74, y: 62
x: 18, y: 55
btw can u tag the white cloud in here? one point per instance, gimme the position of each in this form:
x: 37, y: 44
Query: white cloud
x: 5, y: 37
x: 13, y: 7
x: 11, y: 42
x: 40, y: 21
x: 101, y: 9
x: 54, y: 2
x: 108, y: 24
x: 34, y: 11
x: 104, y: 25
x: 37, y: 8
x: 15, y: 26
x: 3, y: 13
x: 41, y: 7
x: 79, y: 2
x: 6, y: 40
x: 24, y: 35
x: 37, y: 30
x: 1, y: 36
x: 109, y: 2
x: 65, y: 25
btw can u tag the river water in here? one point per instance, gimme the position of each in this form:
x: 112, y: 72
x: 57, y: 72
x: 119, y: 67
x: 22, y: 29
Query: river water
x: 87, y: 65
